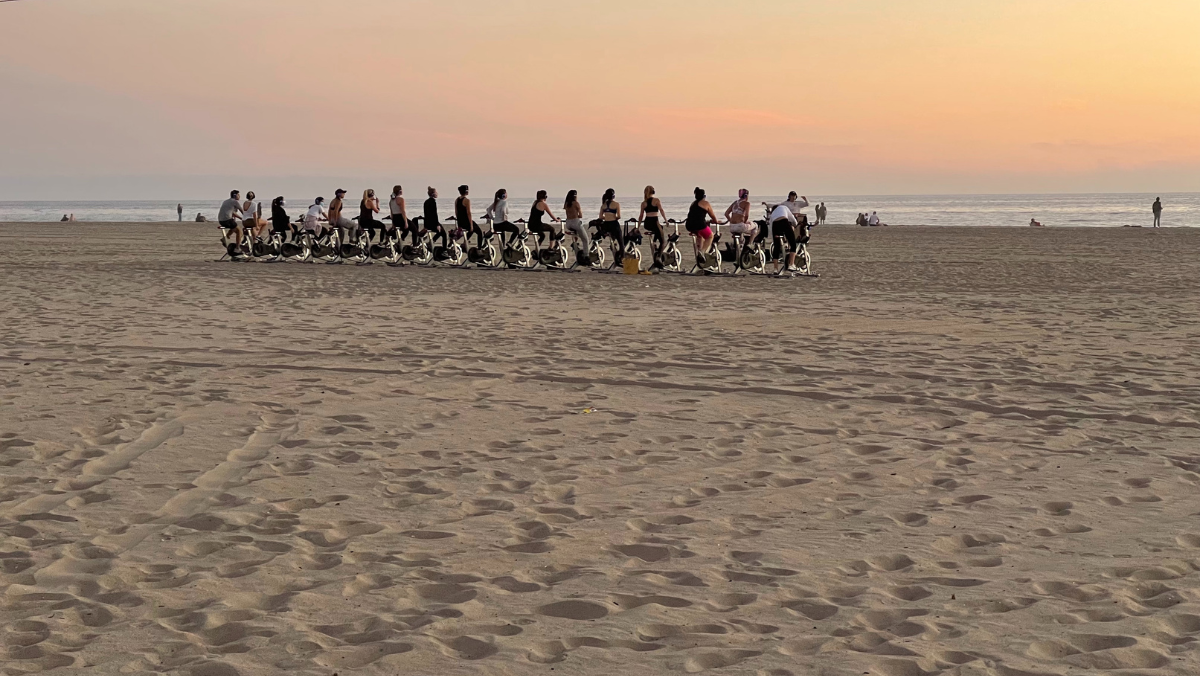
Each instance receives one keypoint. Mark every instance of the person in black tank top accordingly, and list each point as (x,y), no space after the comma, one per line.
(462,214)
(697,221)
(541,209)
(651,212)
(367,209)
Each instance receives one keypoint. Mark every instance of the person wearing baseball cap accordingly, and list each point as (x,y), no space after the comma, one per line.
(345,226)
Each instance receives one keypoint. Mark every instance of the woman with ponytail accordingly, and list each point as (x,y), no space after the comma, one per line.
(610,220)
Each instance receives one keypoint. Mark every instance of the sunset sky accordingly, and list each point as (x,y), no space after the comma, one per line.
(178,98)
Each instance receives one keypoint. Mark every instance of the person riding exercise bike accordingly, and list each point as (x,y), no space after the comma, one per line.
(540,210)
(651,217)
(462,214)
(700,214)
(497,214)
(783,223)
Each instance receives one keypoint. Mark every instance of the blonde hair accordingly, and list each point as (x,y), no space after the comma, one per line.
(649,193)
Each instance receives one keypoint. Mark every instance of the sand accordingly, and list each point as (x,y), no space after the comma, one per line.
(966,452)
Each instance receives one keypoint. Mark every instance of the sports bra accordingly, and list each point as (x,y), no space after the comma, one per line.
(650,208)
(609,210)
(736,208)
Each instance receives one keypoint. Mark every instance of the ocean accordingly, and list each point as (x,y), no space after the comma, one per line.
(1068,210)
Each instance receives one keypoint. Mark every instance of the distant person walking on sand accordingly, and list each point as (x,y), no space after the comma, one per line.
(1157,209)
(179,210)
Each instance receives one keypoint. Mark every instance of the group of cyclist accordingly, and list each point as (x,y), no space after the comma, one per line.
(785,220)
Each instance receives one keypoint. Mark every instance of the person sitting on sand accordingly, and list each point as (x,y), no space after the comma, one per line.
(861,220)
(874,221)
(64,219)
(1034,224)
(201,218)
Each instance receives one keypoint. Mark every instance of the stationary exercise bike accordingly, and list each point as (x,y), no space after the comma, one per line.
(453,254)
(235,252)
(746,254)
(420,253)
(488,255)
(357,250)
(300,248)
(633,240)
(268,249)
(388,250)
(595,254)
(555,255)
(327,247)
(708,262)
(671,259)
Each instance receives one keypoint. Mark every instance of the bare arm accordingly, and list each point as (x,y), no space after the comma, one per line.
(642,212)
(711,214)
(550,213)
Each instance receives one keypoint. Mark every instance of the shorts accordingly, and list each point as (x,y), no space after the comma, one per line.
(705,233)
(229,224)
(743,228)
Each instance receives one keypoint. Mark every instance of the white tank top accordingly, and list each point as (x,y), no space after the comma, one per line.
(394,207)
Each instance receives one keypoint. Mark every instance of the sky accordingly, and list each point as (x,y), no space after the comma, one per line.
(185,99)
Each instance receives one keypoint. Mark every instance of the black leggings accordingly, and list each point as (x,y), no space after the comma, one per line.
(284,228)
(660,236)
(613,229)
(370,226)
(473,229)
(541,230)
(437,231)
(783,228)
(506,227)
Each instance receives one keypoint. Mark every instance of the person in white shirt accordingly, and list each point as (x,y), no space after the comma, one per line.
(497,215)
(796,205)
(312,219)
(251,211)
(783,223)
(873,221)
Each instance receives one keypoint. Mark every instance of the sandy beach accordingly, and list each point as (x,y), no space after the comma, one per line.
(960,452)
